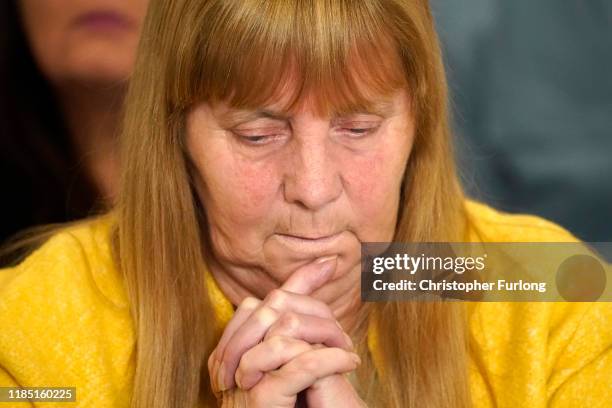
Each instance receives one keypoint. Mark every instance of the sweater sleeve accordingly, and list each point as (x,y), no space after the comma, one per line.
(581,374)
(58,330)
(6,380)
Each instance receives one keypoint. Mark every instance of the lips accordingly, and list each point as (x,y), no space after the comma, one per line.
(310,244)
(310,237)
(104,20)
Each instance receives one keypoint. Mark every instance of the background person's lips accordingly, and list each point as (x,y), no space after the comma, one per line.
(104,20)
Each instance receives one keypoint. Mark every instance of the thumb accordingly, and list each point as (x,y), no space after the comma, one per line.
(312,276)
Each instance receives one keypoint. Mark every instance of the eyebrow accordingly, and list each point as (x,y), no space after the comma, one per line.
(383,108)
(237,117)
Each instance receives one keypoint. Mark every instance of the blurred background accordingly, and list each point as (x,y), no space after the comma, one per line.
(531,86)
(64,69)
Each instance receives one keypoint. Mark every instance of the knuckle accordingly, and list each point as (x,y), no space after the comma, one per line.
(328,312)
(266,316)
(290,321)
(308,363)
(276,299)
(325,310)
(278,344)
(249,303)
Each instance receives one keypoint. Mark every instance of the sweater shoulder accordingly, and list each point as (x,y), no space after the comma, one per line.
(75,255)
(57,309)
(487,224)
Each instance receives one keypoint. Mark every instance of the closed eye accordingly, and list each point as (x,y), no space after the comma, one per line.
(254,139)
(257,140)
(357,132)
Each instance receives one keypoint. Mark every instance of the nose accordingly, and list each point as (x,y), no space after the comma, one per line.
(312,178)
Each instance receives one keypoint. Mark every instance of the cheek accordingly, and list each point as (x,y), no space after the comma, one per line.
(373,186)
(258,185)
(43,28)
(371,183)
(362,177)
(238,190)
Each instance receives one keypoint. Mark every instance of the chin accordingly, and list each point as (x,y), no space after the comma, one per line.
(104,65)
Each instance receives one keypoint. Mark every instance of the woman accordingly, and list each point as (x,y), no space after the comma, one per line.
(263,143)
(64,66)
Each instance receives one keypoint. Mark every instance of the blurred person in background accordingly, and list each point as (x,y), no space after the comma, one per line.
(532,90)
(63,71)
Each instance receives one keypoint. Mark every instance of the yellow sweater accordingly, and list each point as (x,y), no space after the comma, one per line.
(64,321)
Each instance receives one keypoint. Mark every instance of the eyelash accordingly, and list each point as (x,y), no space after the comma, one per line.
(256,140)
(250,140)
(361,132)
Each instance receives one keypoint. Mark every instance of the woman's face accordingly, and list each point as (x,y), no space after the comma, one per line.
(91,41)
(281,189)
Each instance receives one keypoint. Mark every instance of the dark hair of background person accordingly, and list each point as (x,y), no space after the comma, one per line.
(41,178)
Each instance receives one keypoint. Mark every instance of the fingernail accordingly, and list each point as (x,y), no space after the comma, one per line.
(327,264)
(215,371)
(348,340)
(238,382)
(326,259)
(221,377)
(356,358)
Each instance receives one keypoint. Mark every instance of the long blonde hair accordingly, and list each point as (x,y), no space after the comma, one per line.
(243,52)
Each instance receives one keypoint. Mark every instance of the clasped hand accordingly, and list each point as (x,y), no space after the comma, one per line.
(286,344)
